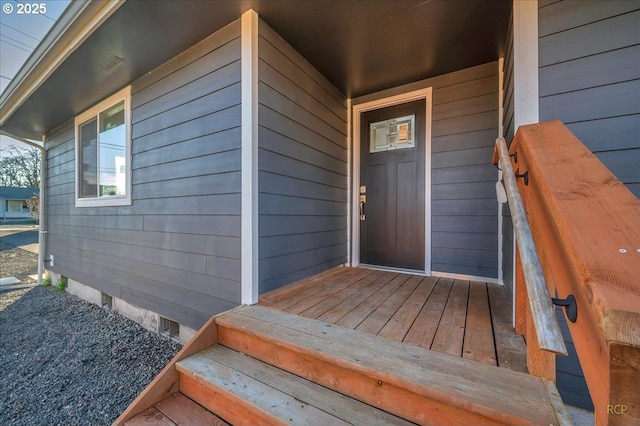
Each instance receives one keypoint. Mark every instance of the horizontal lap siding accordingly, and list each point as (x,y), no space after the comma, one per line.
(589,54)
(302,163)
(176,249)
(464,210)
(590,79)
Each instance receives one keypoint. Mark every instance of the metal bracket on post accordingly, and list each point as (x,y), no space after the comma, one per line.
(515,160)
(570,306)
(524,175)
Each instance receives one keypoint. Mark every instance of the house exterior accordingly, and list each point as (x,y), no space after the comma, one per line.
(206,153)
(13,203)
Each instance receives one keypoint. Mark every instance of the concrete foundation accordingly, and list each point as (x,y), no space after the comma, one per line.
(146,318)
(83,292)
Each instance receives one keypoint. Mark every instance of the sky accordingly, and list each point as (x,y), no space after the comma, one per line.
(22,25)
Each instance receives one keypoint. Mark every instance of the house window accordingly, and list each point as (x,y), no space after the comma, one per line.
(396,133)
(17,206)
(103,153)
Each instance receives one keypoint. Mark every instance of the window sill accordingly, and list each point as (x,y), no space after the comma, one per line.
(103,202)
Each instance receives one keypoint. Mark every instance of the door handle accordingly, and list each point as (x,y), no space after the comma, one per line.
(363,202)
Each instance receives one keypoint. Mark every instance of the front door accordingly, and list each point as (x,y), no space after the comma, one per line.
(392,186)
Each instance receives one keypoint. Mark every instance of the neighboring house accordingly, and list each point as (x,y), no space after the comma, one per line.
(200,154)
(13,203)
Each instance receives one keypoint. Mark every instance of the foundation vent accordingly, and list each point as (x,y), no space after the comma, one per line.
(170,329)
(107,301)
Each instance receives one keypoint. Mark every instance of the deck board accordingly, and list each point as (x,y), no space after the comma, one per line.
(428,320)
(339,285)
(183,411)
(150,416)
(363,310)
(478,339)
(451,330)
(176,410)
(400,323)
(379,318)
(290,295)
(467,319)
(510,348)
(345,306)
(345,292)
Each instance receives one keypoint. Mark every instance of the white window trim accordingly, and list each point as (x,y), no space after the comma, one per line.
(116,200)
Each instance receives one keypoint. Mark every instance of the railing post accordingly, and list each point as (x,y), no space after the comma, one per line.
(539,363)
(521,301)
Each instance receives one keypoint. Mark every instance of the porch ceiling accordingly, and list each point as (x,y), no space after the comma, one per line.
(360,46)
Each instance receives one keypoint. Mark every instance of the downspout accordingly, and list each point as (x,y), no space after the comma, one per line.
(41,207)
(41,199)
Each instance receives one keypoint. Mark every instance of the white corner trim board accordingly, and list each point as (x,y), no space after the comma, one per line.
(249,158)
(500,134)
(525,62)
(525,79)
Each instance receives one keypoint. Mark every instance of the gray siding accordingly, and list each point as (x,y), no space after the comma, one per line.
(508,87)
(464,209)
(302,166)
(590,78)
(569,376)
(176,249)
(508,267)
(463,206)
(589,55)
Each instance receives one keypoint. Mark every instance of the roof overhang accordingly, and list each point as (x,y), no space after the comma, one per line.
(74,26)
(361,46)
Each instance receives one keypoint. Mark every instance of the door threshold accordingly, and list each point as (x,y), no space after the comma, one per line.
(393,269)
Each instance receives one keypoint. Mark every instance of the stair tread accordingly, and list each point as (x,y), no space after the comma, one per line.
(486,390)
(176,410)
(283,395)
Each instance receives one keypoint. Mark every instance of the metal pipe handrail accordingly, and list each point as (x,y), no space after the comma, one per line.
(542,310)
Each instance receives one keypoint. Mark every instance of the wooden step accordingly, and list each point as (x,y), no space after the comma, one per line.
(422,386)
(176,410)
(243,390)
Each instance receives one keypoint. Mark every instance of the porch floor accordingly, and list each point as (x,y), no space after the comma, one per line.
(463,318)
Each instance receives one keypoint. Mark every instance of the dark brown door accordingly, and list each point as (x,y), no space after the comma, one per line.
(392,179)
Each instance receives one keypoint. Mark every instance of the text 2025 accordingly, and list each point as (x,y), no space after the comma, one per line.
(31,8)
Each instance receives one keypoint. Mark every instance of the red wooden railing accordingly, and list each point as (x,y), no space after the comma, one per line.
(586,228)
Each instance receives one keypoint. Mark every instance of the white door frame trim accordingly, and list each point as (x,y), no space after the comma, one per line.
(427,95)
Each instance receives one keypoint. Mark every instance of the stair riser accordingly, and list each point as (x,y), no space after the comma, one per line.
(367,386)
(225,405)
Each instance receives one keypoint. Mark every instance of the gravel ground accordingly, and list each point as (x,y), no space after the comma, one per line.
(15,262)
(64,361)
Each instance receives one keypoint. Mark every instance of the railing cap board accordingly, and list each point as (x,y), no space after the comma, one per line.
(595,216)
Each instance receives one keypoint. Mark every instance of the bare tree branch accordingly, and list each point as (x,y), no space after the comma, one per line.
(20,167)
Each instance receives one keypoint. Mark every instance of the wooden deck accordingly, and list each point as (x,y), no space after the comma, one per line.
(287,364)
(463,318)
